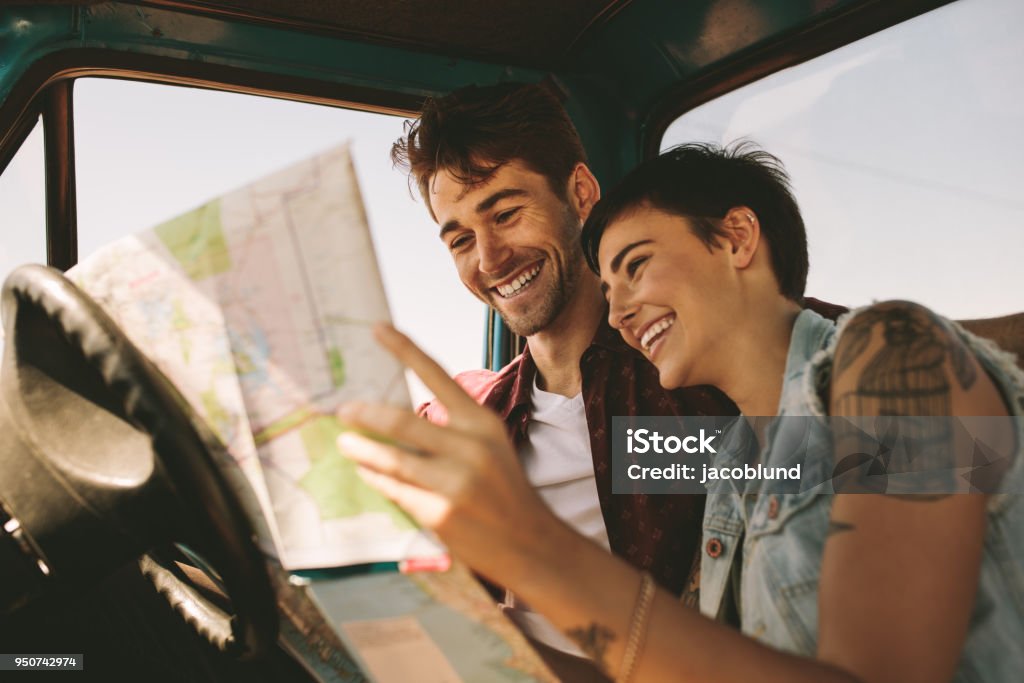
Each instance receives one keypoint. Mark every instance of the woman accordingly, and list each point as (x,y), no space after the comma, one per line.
(825,587)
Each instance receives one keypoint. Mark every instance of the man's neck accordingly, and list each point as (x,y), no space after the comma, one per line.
(556,350)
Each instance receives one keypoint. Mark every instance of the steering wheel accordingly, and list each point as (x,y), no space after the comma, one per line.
(101,460)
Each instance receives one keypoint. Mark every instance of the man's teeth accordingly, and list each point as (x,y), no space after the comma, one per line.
(655,330)
(517,284)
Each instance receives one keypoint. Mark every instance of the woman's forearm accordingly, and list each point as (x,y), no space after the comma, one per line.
(591,596)
(510,536)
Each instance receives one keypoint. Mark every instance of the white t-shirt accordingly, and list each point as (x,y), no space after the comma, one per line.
(557,459)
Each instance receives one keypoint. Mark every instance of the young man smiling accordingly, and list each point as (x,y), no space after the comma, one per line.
(504,174)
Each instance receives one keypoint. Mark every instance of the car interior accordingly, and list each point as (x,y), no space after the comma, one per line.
(121,536)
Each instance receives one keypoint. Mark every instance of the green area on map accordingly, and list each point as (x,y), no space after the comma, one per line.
(333,482)
(337,366)
(196,241)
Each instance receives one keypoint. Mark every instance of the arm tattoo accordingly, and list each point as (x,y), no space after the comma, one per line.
(910,375)
(906,376)
(837,527)
(593,640)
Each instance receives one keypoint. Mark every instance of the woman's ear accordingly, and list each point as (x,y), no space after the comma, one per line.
(743,233)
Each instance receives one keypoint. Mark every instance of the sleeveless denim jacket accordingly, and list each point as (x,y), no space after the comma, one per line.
(776,540)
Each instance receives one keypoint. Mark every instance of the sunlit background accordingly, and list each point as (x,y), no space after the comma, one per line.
(906,151)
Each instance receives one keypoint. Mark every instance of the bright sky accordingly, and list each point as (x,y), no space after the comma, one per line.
(906,151)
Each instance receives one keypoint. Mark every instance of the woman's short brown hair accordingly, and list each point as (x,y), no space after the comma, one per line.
(702,182)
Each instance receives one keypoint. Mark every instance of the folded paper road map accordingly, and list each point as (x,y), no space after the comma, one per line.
(259,305)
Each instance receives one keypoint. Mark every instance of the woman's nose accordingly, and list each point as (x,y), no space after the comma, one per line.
(621,310)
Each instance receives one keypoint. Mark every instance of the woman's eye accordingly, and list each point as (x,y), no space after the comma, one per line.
(505,216)
(633,265)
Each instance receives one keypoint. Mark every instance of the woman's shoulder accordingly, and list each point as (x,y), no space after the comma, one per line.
(902,358)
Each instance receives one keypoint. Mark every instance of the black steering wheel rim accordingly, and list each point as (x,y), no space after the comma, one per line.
(214,522)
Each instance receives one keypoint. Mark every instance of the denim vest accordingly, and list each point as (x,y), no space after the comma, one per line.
(776,540)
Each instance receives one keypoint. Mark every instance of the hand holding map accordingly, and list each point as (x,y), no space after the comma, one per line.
(259,307)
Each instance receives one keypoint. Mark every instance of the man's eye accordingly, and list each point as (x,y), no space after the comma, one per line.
(459,242)
(506,216)
(633,265)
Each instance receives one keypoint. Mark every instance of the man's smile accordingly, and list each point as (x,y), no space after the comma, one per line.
(515,285)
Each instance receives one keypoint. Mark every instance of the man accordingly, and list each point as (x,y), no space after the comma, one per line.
(504,174)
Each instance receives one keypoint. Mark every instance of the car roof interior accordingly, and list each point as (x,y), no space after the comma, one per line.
(621,64)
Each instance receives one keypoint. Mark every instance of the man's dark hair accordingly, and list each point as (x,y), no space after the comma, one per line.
(473,131)
(702,182)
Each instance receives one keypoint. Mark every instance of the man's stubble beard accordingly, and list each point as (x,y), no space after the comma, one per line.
(561,292)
